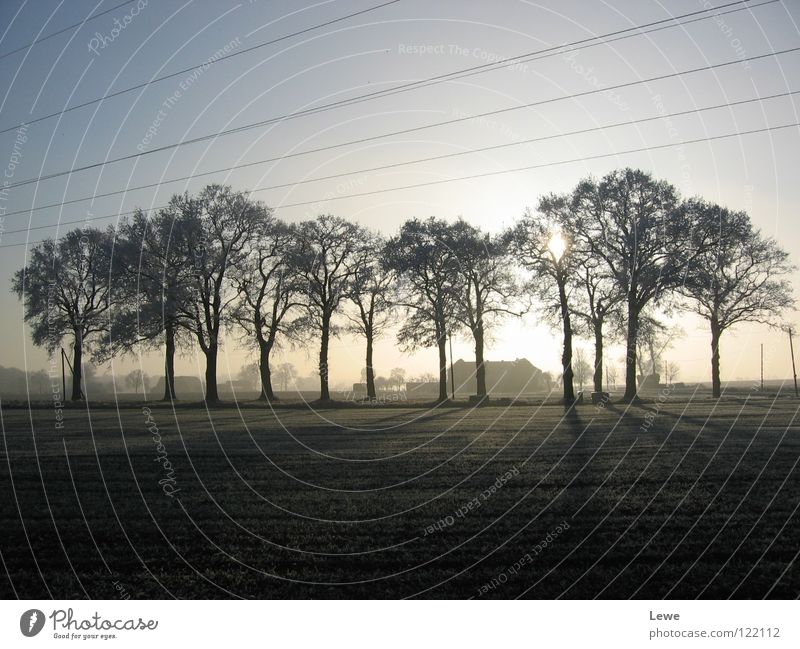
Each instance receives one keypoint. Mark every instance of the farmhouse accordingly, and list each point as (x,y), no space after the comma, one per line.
(503,378)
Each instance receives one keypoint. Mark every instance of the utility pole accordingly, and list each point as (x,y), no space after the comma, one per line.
(762,367)
(794,369)
(452,380)
(63,378)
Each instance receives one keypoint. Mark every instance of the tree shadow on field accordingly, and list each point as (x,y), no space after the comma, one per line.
(587,459)
(571,415)
(371,424)
(634,413)
(424,419)
(663,411)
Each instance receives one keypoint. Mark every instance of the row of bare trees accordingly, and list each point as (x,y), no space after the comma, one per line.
(595,262)
(615,249)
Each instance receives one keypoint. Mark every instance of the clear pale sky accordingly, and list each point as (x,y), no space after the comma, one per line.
(406,41)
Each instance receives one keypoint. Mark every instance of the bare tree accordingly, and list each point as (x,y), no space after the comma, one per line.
(596,299)
(228,224)
(740,277)
(330,251)
(40,379)
(581,366)
(488,287)
(250,374)
(155,262)
(268,283)
(611,375)
(137,379)
(370,291)
(637,229)
(67,290)
(397,378)
(542,246)
(284,375)
(654,339)
(428,282)
(671,372)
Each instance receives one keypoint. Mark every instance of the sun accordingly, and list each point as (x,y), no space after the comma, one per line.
(557,245)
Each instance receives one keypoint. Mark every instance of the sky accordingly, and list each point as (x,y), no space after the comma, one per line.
(405,41)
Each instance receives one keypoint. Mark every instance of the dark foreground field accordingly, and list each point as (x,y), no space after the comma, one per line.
(671,499)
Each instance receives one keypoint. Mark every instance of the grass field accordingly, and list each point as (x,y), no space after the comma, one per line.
(672,498)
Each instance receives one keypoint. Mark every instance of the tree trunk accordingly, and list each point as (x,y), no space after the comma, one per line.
(77,368)
(566,356)
(371,393)
(265,372)
(324,393)
(442,344)
(630,356)
(212,394)
(598,356)
(169,363)
(480,366)
(716,384)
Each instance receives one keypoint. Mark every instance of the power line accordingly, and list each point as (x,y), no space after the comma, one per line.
(306,152)
(541,102)
(66,29)
(390,165)
(456,74)
(430,183)
(205,63)
(599,156)
(532,56)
